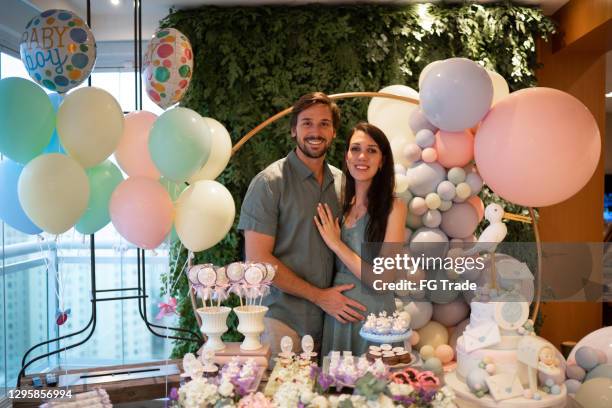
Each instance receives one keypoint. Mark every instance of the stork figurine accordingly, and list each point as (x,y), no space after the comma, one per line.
(493,234)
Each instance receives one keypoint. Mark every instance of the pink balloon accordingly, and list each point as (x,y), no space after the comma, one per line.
(132,154)
(537,147)
(455,149)
(141,211)
(478,205)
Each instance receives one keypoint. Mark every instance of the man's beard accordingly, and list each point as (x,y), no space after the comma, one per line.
(304,148)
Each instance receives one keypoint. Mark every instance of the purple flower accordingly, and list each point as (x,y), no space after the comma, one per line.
(174,396)
(314,372)
(404,399)
(325,381)
(243,385)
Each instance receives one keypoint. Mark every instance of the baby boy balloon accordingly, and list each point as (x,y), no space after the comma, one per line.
(58,49)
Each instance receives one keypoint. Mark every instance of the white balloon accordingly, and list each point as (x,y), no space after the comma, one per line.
(205,213)
(391,115)
(500,87)
(220,152)
(398,144)
(401,183)
(420,313)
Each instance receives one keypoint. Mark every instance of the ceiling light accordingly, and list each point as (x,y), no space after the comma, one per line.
(115,2)
(609,95)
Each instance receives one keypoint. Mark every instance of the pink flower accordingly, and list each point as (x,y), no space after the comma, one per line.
(428,381)
(166,309)
(407,376)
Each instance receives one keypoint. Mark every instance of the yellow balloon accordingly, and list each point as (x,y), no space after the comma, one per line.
(220,152)
(205,213)
(500,87)
(53,191)
(432,334)
(90,125)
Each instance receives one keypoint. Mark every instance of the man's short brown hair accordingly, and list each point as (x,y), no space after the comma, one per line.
(311,99)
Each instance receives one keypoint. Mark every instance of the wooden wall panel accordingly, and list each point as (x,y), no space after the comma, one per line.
(575,63)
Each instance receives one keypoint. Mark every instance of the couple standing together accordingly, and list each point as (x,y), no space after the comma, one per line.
(300,215)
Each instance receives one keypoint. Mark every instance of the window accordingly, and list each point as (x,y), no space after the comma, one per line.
(29,281)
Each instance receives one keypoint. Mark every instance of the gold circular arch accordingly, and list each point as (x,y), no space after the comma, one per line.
(509,216)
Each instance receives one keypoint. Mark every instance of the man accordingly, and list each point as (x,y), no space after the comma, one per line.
(277,219)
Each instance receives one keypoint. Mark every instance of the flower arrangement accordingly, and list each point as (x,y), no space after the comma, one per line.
(408,388)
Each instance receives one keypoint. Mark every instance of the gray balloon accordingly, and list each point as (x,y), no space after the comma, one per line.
(459,221)
(442,295)
(452,313)
(446,190)
(601,371)
(418,121)
(429,242)
(432,219)
(456,94)
(425,177)
(475,182)
(425,138)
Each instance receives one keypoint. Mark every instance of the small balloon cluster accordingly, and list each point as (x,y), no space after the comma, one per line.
(248,280)
(589,363)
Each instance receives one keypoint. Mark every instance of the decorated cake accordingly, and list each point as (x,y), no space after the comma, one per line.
(499,357)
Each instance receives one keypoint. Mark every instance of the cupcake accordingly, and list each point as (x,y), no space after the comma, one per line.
(389,358)
(211,370)
(398,349)
(386,347)
(373,355)
(374,348)
(404,357)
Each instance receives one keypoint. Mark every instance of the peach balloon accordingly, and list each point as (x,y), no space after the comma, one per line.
(455,149)
(415,338)
(141,211)
(429,155)
(537,147)
(132,154)
(478,205)
(445,353)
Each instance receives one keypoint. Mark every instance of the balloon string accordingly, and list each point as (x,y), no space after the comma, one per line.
(174,268)
(179,277)
(44,256)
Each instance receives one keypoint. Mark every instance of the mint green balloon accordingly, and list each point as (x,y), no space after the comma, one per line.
(103,179)
(179,143)
(27,119)
(175,190)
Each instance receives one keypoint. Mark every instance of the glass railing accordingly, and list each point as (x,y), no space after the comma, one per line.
(30,297)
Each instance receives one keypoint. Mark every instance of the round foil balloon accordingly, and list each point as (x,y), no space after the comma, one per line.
(58,49)
(168,67)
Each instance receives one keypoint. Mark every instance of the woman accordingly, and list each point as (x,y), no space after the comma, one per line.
(370,214)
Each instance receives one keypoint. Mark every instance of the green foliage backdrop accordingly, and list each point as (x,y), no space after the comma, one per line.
(252,62)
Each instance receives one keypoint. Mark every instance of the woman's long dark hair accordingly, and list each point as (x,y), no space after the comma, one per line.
(380,193)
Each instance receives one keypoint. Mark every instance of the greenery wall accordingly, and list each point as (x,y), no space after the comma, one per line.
(252,62)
